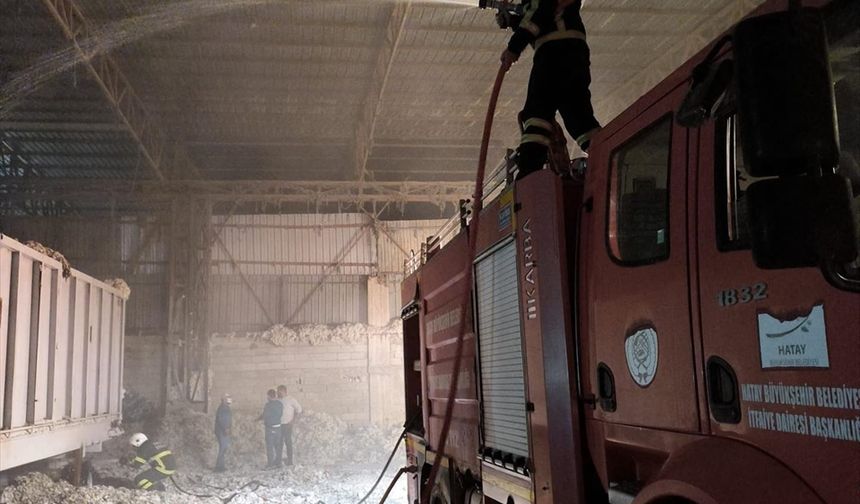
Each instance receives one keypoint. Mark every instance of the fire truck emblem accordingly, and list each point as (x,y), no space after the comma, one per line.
(642,354)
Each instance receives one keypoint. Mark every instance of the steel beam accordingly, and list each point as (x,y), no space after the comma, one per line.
(273,191)
(160,156)
(373,98)
(201,259)
(74,127)
(151,230)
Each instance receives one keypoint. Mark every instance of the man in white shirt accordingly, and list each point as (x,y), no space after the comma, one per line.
(291,409)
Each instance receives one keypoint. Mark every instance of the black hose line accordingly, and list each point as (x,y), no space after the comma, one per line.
(391,456)
(182,490)
(408,469)
(465,304)
(257,484)
(224,500)
(381,474)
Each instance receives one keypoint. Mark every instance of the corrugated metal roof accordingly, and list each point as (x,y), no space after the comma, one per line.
(259,89)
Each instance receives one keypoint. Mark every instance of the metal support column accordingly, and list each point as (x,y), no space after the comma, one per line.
(200,234)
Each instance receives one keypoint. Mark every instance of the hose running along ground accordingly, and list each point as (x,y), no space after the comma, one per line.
(385,468)
(390,457)
(477,205)
(225,500)
(408,469)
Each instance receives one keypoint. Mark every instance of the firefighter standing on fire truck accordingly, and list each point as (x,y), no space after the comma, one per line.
(559,78)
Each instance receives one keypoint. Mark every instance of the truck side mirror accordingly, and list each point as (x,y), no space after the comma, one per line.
(786,108)
(788,129)
(802,221)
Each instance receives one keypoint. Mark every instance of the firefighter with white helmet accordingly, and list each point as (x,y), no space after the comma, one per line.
(161,462)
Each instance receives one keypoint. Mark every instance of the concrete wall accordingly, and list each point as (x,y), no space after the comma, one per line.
(385,376)
(354,373)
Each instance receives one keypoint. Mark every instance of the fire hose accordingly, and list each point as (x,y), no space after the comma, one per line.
(477,204)
(381,474)
(408,469)
(225,500)
(388,462)
(477,197)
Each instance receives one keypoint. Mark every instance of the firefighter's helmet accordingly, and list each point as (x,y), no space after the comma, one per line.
(137,439)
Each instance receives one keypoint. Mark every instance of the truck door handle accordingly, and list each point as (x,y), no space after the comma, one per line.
(723,391)
(606,388)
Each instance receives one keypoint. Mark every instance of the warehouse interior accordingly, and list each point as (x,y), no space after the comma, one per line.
(258,172)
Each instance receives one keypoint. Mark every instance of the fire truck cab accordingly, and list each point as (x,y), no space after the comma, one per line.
(651,331)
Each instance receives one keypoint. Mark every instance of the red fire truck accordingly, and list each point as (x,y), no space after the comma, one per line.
(679,322)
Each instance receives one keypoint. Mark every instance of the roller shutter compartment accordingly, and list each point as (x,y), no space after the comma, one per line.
(501,354)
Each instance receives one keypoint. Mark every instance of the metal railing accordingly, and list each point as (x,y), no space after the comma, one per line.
(494,185)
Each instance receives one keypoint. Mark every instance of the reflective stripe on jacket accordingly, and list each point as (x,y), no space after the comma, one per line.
(547,20)
(162,461)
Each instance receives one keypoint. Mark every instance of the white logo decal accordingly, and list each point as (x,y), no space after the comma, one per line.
(531,273)
(799,342)
(642,354)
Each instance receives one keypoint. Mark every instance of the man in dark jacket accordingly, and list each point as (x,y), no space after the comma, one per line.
(162,463)
(223,424)
(559,78)
(271,417)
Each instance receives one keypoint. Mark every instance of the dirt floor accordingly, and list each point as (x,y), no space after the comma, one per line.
(299,485)
(335,463)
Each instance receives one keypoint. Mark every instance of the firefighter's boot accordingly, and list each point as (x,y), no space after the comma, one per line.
(530,157)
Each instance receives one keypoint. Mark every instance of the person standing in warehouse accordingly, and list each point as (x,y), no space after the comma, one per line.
(291,409)
(161,463)
(271,417)
(559,79)
(223,425)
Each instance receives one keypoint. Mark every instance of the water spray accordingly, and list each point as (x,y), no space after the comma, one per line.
(146,23)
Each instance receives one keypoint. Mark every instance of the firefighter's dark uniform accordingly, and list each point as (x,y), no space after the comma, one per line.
(559,79)
(161,464)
